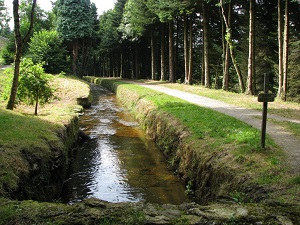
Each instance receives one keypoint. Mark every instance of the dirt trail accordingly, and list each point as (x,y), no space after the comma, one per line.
(282,137)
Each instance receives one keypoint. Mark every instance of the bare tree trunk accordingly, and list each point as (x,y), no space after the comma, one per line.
(231,50)
(171,53)
(285,51)
(249,90)
(163,56)
(186,49)
(280,49)
(207,82)
(226,53)
(19,42)
(190,76)
(136,61)
(75,56)
(153,66)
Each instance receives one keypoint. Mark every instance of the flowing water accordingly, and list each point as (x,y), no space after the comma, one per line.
(119,163)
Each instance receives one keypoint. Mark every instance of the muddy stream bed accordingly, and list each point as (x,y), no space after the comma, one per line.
(119,163)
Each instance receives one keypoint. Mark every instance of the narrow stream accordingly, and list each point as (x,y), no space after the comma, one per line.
(119,163)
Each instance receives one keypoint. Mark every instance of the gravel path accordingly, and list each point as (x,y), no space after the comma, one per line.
(282,137)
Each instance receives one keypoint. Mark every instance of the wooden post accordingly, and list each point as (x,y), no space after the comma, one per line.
(265,110)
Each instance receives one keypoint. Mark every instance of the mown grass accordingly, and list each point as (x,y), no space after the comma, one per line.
(216,132)
(290,110)
(285,109)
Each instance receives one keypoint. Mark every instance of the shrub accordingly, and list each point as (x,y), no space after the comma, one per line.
(46,47)
(34,85)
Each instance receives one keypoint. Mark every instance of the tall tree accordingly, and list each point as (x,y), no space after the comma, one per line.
(4,20)
(251,70)
(166,10)
(280,48)
(75,23)
(19,42)
(285,51)
(231,48)
(137,18)
(162,53)
(226,53)
(207,81)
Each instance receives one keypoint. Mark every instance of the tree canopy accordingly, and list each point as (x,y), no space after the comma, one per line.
(220,44)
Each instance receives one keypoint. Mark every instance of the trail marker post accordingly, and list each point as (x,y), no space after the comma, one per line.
(265,98)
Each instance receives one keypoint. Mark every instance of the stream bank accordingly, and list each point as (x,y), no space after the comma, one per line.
(35,151)
(94,211)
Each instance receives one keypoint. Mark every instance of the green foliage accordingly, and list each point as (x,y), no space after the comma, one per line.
(34,84)
(296,180)
(8,214)
(166,10)
(75,19)
(8,51)
(238,197)
(7,56)
(42,19)
(136,18)
(108,32)
(46,47)
(294,73)
(6,81)
(4,20)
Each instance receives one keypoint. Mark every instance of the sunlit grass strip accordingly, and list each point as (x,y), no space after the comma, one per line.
(217,132)
(285,109)
(293,127)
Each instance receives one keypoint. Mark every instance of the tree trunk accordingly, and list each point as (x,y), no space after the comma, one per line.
(186,49)
(231,50)
(207,82)
(280,49)
(121,65)
(153,66)
(75,56)
(36,104)
(285,51)
(19,43)
(136,61)
(226,53)
(190,76)
(162,53)
(249,90)
(171,53)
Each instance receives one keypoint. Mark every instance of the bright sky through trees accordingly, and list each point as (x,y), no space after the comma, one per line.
(102,5)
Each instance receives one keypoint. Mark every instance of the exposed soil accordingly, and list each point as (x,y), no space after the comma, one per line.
(285,139)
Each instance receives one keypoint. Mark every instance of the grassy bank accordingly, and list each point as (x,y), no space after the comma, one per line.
(34,150)
(286,109)
(215,153)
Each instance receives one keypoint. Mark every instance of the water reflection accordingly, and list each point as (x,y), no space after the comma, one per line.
(119,163)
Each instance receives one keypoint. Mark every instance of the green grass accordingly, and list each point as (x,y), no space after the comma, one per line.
(25,137)
(293,127)
(219,133)
(285,109)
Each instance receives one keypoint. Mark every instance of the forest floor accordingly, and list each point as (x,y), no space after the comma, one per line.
(282,136)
